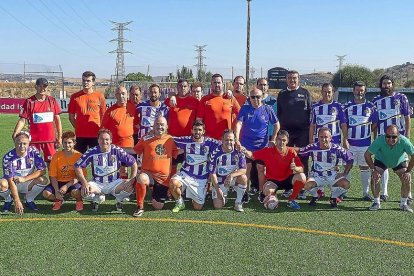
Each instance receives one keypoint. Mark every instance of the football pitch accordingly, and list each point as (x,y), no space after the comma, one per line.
(347,241)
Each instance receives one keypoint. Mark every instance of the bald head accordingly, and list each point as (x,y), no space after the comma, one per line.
(160,126)
(121,95)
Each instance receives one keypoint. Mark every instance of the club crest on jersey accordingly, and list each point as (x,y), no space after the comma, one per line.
(65,168)
(31,161)
(397,104)
(113,159)
(235,159)
(367,112)
(160,149)
(334,112)
(333,156)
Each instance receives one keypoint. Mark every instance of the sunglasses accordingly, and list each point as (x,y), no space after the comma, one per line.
(391,136)
(255,97)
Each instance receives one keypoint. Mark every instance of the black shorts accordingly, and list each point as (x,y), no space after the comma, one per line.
(159,192)
(178,160)
(284,184)
(381,165)
(83,143)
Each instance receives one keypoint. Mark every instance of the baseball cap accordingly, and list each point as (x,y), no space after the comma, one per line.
(42,81)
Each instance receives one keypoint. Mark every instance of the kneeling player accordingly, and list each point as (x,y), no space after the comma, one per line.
(23,172)
(106,161)
(62,174)
(227,167)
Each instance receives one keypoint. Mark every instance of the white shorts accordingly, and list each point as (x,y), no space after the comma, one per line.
(324,181)
(23,188)
(106,188)
(358,153)
(195,189)
(224,189)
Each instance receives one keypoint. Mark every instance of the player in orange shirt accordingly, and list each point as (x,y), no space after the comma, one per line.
(86,109)
(238,90)
(215,110)
(157,150)
(135,97)
(62,174)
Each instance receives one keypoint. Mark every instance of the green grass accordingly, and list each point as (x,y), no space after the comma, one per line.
(112,243)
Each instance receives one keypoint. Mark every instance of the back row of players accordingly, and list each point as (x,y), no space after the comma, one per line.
(187,130)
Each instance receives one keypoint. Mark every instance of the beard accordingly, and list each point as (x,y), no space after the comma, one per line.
(386,91)
(153,99)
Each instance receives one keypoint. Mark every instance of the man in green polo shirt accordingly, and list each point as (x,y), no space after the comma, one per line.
(391,151)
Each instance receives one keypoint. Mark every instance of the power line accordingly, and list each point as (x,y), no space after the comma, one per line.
(200,58)
(120,66)
(340,59)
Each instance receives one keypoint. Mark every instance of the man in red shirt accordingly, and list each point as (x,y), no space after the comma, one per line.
(86,109)
(215,110)
(42,112)
(238,90)
(135,97)
(284,170)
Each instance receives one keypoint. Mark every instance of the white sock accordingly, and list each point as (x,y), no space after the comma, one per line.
(239,192)
(377,200)
(337,191)
(403,201)
(6,195)
(384,182)
(89,197)
(180,200)
(121,196)
(34,192)
(365,181)
(314,192)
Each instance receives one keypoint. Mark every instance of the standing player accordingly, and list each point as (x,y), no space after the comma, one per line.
(227,167)
(86,109)
(135,98)
(42,112)
(197,90)
(106,160)
(62,174)
(393,109)
(361,117)
(157,150)
(193,174)
(325,158)
(238,90)
(23,172)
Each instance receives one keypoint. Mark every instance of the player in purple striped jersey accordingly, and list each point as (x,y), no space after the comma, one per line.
(362,118)
(106,160)
(149,110)
(227,167)
(193,174)
(393,109)
(325,158)
(327,113)
(23,172)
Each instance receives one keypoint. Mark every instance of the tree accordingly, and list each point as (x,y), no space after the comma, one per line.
(137,77)
(204,76)
(185,73)
(352,73)
(409,84)
(378,73)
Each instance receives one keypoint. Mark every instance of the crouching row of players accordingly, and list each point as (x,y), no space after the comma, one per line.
(204,158)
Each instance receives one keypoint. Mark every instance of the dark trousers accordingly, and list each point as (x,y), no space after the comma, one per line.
(300,138)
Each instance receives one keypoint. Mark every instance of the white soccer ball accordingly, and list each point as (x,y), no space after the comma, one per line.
(271,202)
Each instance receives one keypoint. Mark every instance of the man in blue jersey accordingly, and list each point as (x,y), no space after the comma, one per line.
(391,151)
(23,172)
(393,109)
(361,117)
(227,167)
(193,174)
(106,161)
(325,157)
(251,129)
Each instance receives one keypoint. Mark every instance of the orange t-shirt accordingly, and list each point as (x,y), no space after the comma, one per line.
(157,154)
(61,166)
(216,113)
(182,116)
(89,110)
(241,98)
(136,127)
(120,120)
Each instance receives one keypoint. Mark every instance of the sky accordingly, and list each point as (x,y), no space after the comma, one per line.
(305,35)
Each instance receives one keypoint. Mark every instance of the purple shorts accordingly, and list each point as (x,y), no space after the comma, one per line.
(51,190)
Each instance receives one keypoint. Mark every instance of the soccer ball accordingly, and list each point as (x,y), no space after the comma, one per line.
(271,202)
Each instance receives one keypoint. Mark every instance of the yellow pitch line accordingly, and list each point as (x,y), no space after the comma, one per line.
(237,224)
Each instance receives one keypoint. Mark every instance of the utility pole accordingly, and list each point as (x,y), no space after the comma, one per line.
(201,67)
(120,66)
(248,47)
(340,59)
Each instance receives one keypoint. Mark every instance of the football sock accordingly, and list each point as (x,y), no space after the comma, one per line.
(240,190)
(6,195)
(121,196)
(180,200)
(384,183)
(337,191)
(141,191)
(403,201)
(297,187)
(377,200)
(365,181)
(314,192)
(34,192)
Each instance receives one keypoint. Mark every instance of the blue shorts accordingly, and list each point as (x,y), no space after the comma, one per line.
(50,188)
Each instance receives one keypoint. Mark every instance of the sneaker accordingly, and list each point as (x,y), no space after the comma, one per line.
(320,193)
(119,206)
(375,207)
(57,204)
(406,208)
(253,191)
(313,201)
(89,197)
(31,205)
(138,212)
(246,197)
(286,193)
(238,207)
(302,194)
(7,206)
(367,198)
(79,206)
(384,198)
(178,207)
(333,202)
(261,197)
(100,199)
(293,204)
(94,206)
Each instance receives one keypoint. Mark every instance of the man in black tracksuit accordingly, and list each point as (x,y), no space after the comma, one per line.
(293,111)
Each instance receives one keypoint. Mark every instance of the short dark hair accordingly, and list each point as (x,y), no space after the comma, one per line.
(292,72)
(103,131)
(88,74)
(359,83)
(238,77)
(199,123)
(134,87)
(69,135)
(327,84)
(217,76)
(283,133)
(197,84)
(154,85)
(260,79)
(324,129)
(385,77)
(182,80)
